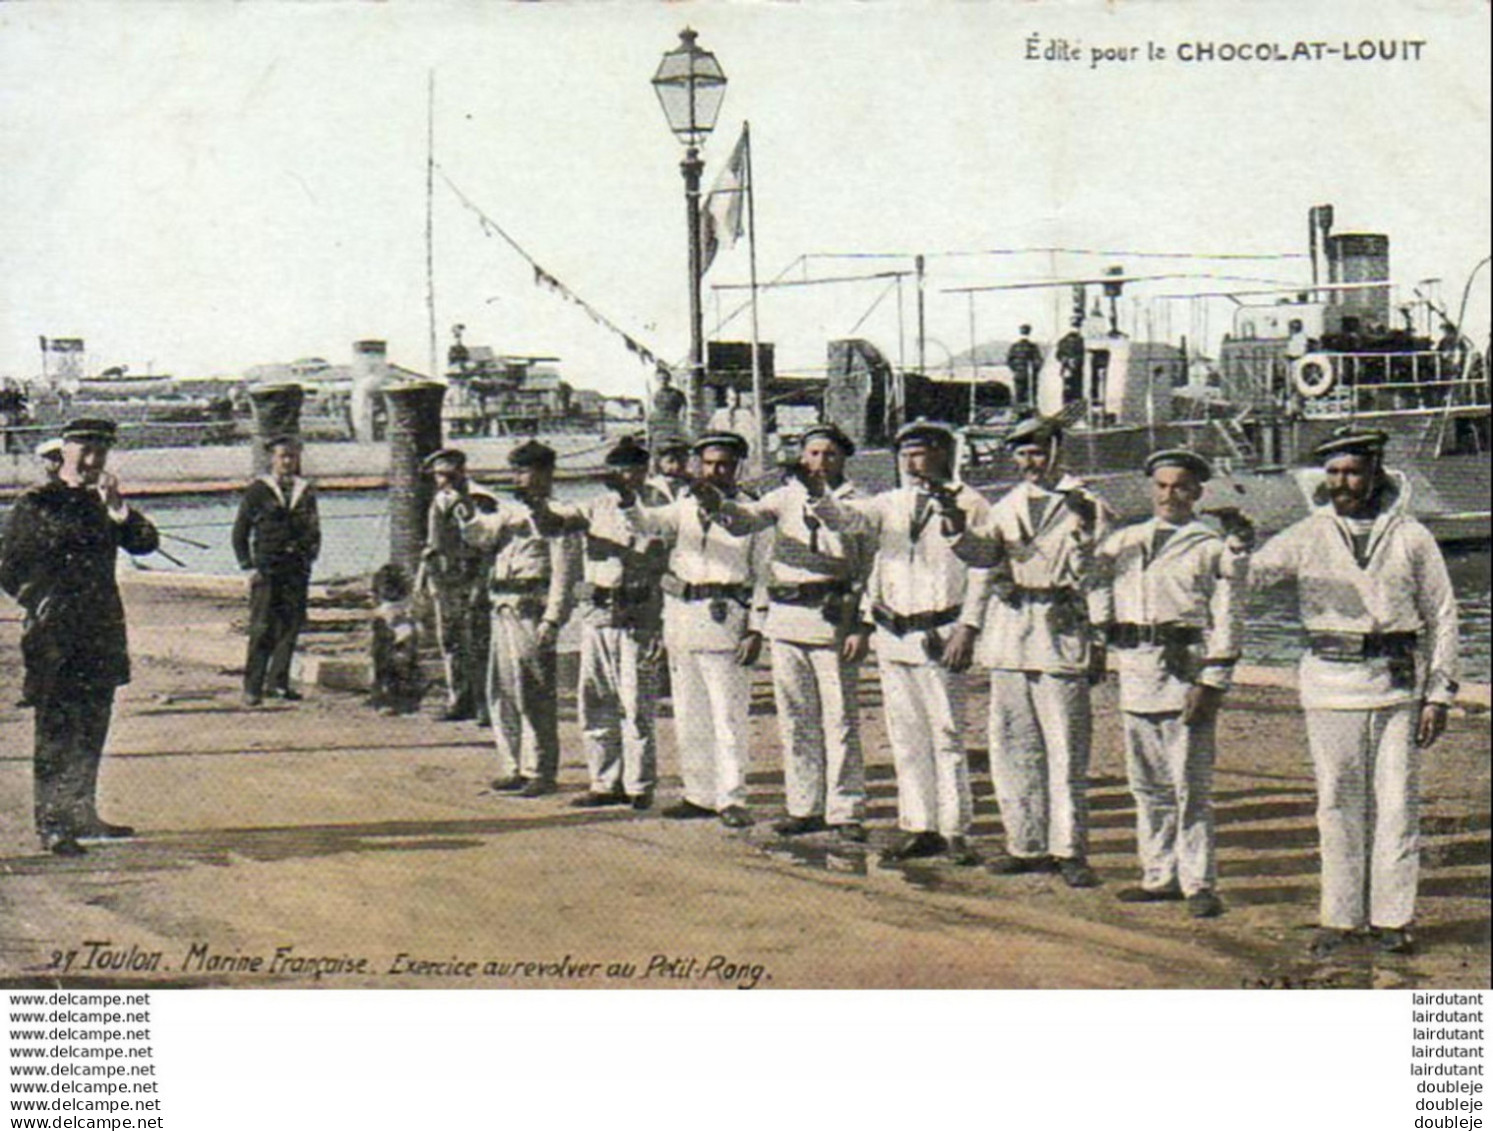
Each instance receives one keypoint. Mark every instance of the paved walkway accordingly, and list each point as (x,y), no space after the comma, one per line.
(322,843)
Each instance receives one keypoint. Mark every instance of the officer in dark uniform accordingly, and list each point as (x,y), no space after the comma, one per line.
(1070,354)
(1024,359)
(276,537)
(58,562)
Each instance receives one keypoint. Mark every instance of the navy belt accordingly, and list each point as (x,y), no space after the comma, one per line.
(807,592)
(605,596)
(714,591)
(1126,635)
(900,625)
(518,586)
(1046,595)
(1359,646)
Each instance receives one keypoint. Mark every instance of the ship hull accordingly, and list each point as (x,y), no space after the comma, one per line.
(1450,493)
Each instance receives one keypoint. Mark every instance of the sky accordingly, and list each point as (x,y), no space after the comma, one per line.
(200,188)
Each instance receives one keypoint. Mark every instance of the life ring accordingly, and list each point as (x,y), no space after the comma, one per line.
(1313,375)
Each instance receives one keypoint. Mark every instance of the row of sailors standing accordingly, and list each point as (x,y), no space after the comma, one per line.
(1037,589)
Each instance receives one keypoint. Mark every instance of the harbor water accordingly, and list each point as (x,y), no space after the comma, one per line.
(355,541)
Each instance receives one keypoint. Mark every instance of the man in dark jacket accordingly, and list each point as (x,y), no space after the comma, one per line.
(58,562)
(276,537)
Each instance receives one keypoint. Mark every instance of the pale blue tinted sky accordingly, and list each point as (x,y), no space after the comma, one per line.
(210,186)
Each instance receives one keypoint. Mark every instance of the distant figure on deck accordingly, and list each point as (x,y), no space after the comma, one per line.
(668,402)
(276,538)
(1024,359)
(59,557)
(1453,352)
(1070,354)
(397,684)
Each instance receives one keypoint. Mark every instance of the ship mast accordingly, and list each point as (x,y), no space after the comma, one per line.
(430,220)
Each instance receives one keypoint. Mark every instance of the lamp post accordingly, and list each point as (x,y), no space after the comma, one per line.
(691,87)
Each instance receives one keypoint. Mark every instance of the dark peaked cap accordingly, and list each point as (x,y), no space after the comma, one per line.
(444,455)
(830,432)
(925,432)
(722,439)
(86,430)
(1034,430)
(1180,457)
(1352,442)
(531,453)
(627,453)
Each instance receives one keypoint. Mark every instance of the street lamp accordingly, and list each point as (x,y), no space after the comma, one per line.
(691,87)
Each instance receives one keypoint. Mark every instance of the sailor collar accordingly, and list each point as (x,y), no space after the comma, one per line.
(298,487)
(1189,534)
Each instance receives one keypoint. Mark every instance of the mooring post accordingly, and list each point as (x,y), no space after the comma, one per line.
(414,433)
(277,412)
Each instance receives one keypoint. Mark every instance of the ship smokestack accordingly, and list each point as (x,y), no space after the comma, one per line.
(1361,257)
(370,373)
(414,433)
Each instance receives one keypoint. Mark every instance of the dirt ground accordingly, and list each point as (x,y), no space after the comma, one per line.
(321,844)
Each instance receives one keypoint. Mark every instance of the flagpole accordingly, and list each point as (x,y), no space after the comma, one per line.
(759,404)
(430,221)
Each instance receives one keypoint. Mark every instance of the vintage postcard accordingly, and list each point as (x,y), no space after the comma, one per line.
(745,496)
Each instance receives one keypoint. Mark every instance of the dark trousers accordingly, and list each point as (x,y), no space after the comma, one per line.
(462,623)
(72,723)
(277,612)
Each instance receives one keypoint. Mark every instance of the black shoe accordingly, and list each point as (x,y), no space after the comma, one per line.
(1076,872)
(103,830)
(537,787)
(915,846)
(1172,893)
(509,785)
(1020,865)
(852,832)
(961,853)
(456,714)
(642,802)
(799,826)
(736,817)
(687,811)
(252,700)
(1394,940)
(593,800)
(483,719)
(63,844)
(1204,904)
(289,694)
(1327,941)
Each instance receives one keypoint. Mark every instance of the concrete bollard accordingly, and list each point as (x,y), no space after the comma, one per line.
(277,412)
(414,432)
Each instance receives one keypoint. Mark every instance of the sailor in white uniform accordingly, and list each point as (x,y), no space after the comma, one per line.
(531,585)
(714,604)
(927,617)
(1376,681)
(1170,596)
(621,608)
(1041,653)
(817,638)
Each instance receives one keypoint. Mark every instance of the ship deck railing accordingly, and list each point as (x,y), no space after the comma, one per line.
(1398,382)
